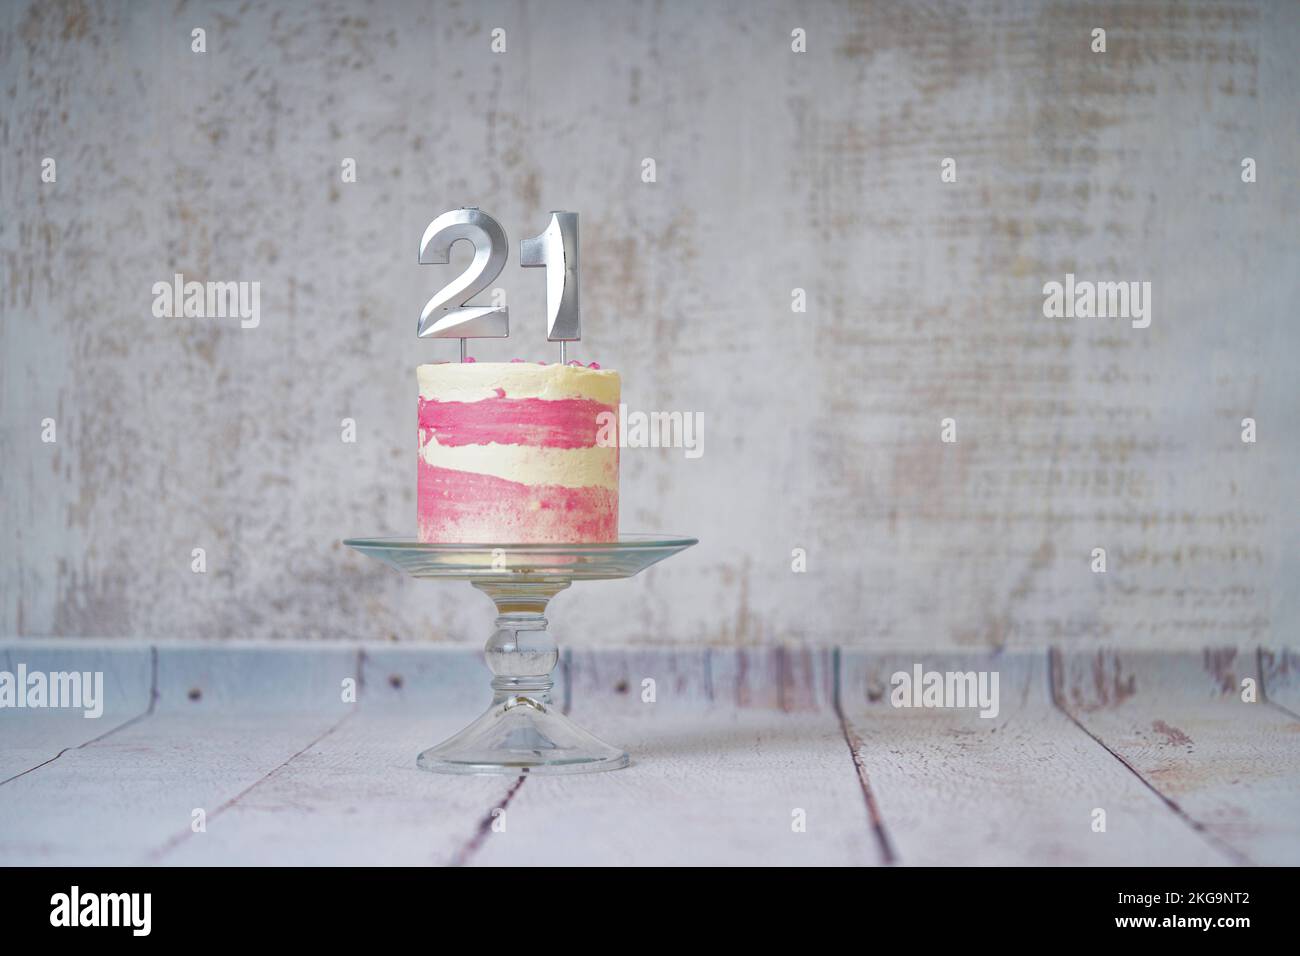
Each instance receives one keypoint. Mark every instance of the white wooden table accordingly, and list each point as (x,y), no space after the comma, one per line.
(734,746)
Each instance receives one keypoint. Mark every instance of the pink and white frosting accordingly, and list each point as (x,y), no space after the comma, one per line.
(509,453)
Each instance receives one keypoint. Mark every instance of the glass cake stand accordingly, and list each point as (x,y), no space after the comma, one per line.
(522,732)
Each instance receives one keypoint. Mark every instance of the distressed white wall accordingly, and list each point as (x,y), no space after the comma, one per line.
(776,170)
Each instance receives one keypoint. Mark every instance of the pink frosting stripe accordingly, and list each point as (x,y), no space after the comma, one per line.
(537,422)
(458,506)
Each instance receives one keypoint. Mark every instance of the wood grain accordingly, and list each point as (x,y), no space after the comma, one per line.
(730,749)
(34,738)
(1228,767)
(356,795)
(1280,676)
(128,797)
(955,788)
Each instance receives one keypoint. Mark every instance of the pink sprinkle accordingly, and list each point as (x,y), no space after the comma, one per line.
(513,361)
(541,363)
(595,365)
(575,362)
(469,358)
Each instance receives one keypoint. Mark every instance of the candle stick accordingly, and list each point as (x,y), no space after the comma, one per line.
(447,315)
(556,248)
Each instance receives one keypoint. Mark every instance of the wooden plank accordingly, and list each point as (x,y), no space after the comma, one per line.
(956,789)
(35,736)
(733,744)
(355,797)
(125,797)
(1280,676)
(1230,768)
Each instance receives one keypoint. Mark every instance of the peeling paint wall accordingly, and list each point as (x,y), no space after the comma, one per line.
(776,170)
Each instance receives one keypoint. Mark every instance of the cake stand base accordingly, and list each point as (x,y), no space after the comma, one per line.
(522,732)
(522,735)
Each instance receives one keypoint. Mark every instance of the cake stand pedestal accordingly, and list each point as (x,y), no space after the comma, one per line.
(522,732)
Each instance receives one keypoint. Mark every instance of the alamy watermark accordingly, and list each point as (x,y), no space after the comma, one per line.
(945,689)
(75,908)
(683,430)
(75,689)
(208,300)
(1085,299)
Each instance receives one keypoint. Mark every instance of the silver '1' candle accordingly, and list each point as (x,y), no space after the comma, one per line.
(556,248)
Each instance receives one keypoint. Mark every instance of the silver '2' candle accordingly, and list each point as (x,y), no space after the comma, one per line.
(446,315)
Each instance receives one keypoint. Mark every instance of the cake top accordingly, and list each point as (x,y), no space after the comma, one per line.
(472,381)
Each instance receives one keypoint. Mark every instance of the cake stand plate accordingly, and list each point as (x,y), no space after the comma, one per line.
(522,732)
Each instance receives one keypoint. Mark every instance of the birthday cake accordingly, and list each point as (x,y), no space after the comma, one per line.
(513,452)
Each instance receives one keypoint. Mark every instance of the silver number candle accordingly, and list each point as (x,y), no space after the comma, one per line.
(557,249)
(447,315)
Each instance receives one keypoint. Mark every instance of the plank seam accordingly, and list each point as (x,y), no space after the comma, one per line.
(475,843)
(148,711)
(854,743)
(566,671)
(462,856)
(1263,686)
(181,837)
(782,679)
(1054,669)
